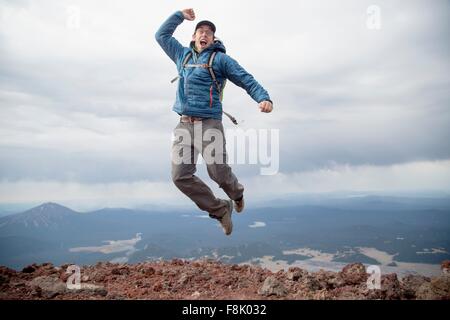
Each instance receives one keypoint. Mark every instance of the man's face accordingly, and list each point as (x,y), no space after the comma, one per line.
(203,38)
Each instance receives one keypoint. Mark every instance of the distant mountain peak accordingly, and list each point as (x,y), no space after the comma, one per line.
(50,205)
(47,214)
(51,208)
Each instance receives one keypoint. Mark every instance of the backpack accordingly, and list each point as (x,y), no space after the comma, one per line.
(213,76)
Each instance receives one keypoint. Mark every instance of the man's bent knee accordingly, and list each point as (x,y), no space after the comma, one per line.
(220,173)
(179,175)
(176,177)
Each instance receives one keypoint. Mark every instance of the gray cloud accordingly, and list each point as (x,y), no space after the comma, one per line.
(93,105)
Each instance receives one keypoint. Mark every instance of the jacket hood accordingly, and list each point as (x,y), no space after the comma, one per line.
(216,46)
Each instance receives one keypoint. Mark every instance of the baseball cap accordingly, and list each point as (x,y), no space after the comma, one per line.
(206,23)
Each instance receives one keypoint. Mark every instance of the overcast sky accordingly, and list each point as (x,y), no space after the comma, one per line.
(86,98)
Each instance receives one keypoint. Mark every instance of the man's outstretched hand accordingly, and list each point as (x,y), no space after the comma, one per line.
(265,106)
(188,14)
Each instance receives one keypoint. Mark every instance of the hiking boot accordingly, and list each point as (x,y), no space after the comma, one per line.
(225,220)
(239,204)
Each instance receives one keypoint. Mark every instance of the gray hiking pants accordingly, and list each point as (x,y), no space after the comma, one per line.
(203,137)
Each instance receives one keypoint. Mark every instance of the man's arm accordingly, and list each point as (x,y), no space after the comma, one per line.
(164,36)
(240,77)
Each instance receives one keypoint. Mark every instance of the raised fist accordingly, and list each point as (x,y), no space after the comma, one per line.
(188,14)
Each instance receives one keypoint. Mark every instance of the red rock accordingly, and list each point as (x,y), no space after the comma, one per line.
(148,271)
(272,286)
(235,267)
(120,271)
(50,287)
(208,279)
(329,280)
(295,273)
(411,283)
(177,262)
(311,283)
(445,266)
(29,269)
(436,289)
(158,287)
(390,287)
(354,273)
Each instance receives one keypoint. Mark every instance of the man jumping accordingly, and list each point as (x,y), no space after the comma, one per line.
(202,71)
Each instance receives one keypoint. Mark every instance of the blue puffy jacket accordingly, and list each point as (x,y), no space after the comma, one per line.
(197,94)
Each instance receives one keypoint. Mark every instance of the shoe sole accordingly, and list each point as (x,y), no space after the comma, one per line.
(236,207)
(230,207)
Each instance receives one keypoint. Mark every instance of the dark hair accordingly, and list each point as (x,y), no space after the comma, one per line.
(206,23)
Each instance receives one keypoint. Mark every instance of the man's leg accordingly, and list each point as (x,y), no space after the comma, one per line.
(219,170)
(183,174)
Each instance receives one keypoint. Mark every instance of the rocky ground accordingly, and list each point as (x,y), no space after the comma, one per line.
(207,279)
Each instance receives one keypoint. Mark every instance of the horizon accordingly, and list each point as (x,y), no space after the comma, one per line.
(280,201)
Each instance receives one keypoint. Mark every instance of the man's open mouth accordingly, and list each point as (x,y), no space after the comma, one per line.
(203,43)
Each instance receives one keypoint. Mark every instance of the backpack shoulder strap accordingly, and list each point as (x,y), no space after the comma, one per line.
(186,59)
(211,71)
(219,88)
(183,65)
(213,75)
